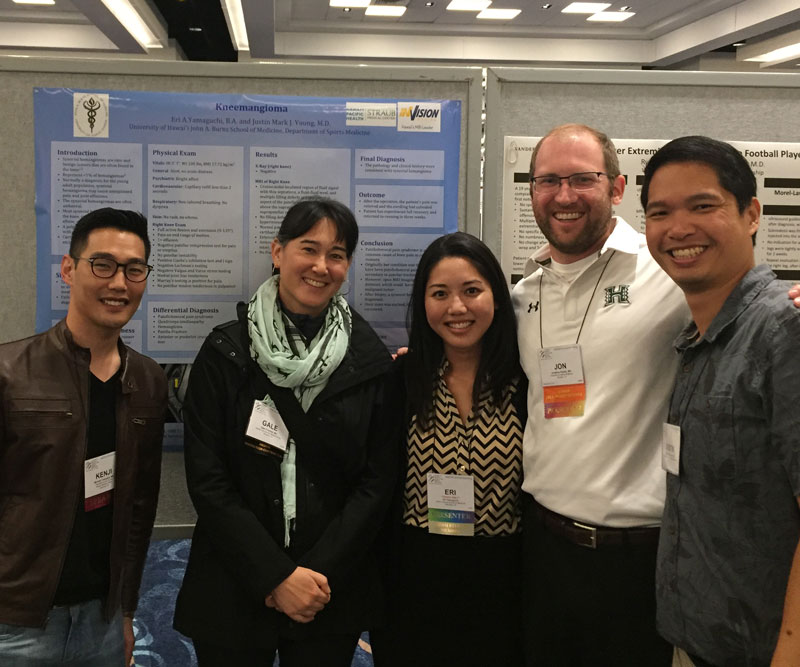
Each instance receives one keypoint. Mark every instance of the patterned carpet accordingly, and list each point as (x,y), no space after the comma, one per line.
(157,644)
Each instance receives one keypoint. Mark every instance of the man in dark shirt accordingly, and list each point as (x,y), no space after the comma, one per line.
(81,421)
(728,574)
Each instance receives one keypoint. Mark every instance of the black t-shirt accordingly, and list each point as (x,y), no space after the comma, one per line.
(85,575)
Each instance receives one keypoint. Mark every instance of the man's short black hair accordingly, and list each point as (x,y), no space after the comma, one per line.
(732,170)
(104,218)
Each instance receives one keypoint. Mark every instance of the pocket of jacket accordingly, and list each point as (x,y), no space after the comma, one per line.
(40,434)
(146,423)
(39,413)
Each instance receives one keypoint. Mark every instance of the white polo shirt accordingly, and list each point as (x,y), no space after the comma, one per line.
(603,468)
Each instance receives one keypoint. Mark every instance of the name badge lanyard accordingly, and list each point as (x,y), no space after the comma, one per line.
(451,497)
(563,379)
(588,305)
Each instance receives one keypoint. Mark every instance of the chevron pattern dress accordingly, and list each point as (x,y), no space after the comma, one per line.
(488,447)
(456,600)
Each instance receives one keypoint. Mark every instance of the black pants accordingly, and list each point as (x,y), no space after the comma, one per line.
(332,651)
(456,603)
(588,607)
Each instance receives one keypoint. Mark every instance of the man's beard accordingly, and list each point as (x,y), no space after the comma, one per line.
(597,224)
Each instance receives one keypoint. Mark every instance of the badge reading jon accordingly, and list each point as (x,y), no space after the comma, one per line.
(562,381)
(451,504)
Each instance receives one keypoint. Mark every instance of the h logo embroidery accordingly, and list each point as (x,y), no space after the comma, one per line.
(618,294)
(533,307)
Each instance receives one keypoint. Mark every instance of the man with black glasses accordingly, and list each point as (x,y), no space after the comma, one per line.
(81,422)
(597,318)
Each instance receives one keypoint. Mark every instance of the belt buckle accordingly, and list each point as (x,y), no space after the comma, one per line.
(591,532)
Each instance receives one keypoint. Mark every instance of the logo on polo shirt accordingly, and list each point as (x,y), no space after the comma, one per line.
(617,294)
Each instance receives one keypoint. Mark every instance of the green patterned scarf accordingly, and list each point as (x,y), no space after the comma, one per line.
(288,361)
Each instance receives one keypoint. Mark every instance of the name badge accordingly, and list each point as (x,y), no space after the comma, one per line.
(451,504)
(561,370)
(98,481)
(266,432)
(671,449)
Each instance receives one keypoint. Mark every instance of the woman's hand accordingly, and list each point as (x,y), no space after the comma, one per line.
(301,595)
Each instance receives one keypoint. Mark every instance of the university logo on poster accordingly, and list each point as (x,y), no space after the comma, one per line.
(419,117)
(90,114)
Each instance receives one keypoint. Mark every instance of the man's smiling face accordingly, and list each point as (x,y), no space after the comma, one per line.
(103,304)
(695,230)
(575,223)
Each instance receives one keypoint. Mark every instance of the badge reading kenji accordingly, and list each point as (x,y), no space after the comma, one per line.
(266,432)
(98,481)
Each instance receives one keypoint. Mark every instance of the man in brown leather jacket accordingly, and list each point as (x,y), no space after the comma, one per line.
(81,421)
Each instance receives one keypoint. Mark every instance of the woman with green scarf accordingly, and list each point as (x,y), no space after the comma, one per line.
(289,425)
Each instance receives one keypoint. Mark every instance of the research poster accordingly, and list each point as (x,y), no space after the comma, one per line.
(215,175)
(776,167)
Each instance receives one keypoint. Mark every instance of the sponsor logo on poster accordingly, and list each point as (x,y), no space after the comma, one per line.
(90,114)
(371,113)
(419,117)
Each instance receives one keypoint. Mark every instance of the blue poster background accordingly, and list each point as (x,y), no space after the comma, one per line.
(215,174)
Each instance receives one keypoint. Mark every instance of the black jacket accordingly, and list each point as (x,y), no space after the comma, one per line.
(344,485)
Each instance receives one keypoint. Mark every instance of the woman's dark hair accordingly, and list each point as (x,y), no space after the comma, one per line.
(499,364)
(306,213)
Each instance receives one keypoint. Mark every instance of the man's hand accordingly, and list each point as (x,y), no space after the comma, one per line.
(127,635)
(301,595)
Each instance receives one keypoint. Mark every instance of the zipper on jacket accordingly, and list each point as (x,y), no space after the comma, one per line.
(84,398)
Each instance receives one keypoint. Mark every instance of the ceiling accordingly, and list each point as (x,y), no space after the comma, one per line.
(662,33)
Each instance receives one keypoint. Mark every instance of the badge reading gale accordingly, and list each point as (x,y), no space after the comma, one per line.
(564,388)
(266,432)
(98,481)
(451,504)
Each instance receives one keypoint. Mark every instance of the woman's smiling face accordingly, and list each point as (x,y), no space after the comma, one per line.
(459,304)
(312,267)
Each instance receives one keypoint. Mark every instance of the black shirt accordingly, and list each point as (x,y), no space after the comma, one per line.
(85,575)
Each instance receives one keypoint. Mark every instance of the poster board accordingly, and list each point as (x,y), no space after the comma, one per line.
(776,166)
(647,106)
(215,175)
(19,76)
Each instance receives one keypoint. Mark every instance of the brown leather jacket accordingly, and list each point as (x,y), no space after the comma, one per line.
(44,384)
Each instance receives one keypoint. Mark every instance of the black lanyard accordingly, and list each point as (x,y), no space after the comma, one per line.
(588,305)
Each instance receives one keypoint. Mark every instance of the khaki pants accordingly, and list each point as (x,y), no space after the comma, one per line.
(681,659)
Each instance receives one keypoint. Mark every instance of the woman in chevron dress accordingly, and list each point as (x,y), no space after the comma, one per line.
(454,559)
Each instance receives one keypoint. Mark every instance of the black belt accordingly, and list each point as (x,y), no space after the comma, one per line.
(592,537)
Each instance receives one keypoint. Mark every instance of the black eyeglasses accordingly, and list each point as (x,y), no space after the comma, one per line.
(584,180)
(103,267)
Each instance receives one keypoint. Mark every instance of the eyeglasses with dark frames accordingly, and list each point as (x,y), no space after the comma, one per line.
(583,180)
(104,267)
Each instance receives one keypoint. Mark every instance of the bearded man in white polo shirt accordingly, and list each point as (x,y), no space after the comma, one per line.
(597,318)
